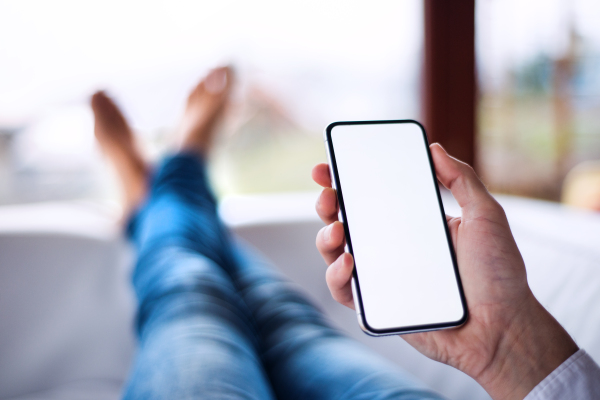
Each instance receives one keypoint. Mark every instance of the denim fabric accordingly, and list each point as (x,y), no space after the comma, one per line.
(215,321)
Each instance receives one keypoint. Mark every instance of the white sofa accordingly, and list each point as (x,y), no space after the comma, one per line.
(66,308)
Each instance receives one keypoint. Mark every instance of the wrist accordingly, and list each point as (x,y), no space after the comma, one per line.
(533,346)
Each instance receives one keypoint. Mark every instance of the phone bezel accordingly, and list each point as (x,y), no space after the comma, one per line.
(361,313)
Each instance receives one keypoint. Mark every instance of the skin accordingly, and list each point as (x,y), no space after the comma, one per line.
(510,342)
(205,107)
(117,141)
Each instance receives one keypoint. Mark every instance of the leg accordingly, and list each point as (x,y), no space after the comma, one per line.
(304,357)
(196,339)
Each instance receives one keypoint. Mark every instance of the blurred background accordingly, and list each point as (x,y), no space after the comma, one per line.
(300,66)
(539,101)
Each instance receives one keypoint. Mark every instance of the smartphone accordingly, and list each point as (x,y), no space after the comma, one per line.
(405,277)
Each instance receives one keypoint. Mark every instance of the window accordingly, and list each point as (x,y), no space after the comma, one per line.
(539,70)
(300,65)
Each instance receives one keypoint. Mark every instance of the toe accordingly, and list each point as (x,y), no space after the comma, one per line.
(219,80)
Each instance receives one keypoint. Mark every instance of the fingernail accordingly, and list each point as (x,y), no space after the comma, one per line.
(216,81)
(327,233)
(442,147)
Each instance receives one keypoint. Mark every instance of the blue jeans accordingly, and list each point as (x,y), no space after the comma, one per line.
(215,321)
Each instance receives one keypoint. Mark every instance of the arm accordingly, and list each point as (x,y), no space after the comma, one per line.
(510,342)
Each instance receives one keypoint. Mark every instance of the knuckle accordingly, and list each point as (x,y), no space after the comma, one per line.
(465,173)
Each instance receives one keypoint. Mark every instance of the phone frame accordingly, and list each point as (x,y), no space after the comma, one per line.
(358,303)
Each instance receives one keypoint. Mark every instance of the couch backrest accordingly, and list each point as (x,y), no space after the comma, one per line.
(66,311)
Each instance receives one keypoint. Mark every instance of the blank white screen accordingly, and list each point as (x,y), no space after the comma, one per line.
(403,262)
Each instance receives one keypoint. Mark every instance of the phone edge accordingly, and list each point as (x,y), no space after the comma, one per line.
(357,296)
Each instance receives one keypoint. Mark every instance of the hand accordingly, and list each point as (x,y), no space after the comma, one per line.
(510,342)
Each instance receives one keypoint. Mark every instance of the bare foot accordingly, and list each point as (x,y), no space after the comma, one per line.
(204,108)
(117,142)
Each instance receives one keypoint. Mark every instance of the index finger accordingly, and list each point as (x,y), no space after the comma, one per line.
(320,175)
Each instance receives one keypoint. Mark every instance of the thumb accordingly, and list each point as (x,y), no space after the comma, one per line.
(470,193)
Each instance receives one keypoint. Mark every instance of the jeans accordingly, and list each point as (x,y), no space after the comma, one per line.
(215,321)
